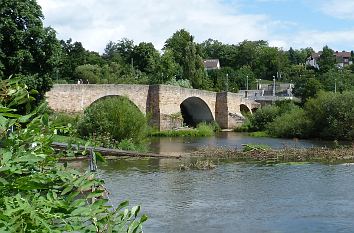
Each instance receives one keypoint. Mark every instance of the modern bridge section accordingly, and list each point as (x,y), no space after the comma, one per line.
(167,106)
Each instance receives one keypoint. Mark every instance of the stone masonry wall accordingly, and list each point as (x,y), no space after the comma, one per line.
(160,102)
(77,97)
(171,98)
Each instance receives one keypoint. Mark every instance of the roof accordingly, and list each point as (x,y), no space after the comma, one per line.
(211,64)
(337,54)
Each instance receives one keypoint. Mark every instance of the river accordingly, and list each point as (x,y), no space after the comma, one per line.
(234,197)
(166,145)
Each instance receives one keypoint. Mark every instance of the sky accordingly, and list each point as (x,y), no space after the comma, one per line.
(283,23)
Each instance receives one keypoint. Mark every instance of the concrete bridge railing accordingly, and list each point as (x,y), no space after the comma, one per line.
(168,106)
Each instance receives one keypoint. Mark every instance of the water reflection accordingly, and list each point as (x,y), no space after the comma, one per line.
(224,139)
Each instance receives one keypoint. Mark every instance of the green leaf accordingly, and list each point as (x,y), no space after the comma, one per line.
(99,157)
(143,218)
(97,193)
(67,190)
(136,210)
(3,181)
(122,205)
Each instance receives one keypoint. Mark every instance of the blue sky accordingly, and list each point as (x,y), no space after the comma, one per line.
(283,23)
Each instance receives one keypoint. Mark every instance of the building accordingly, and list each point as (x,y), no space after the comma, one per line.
(342,59)
(211,64)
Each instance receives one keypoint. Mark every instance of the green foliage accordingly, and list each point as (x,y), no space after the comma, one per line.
(185,53)
(332,115)
(327,60)
(202,130)
(38,194)
(181,83)
(88,73)
(263,116)
(292,124)
(255,147)
(307,87)
(116,116)
(62,119)
(27,49)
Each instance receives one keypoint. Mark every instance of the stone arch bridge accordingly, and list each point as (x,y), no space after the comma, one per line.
(168,106)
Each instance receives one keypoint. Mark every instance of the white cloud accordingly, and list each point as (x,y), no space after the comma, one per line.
(337,40)
(342,9)
(95,22)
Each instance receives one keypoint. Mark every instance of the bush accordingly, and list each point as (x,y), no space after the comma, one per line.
(116,116)
(332,115)
(263,116)
(205,130)
(291,124)
(63,119)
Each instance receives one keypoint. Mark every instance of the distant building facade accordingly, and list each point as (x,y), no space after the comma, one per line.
(342,59)
(211,64)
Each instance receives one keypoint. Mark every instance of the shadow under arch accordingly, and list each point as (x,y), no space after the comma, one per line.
(194,111)
(245,110)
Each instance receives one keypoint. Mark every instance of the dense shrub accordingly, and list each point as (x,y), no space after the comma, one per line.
(116,116)
(332,115)
(63,119)
(294,123)
(263,116)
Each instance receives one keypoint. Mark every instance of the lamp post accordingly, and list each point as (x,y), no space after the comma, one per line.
(247,82)
(273,85)
(335,85)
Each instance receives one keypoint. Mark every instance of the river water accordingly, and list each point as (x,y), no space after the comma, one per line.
(226,139)
(234,197)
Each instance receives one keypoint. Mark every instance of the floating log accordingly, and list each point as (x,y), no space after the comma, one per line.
(109,153)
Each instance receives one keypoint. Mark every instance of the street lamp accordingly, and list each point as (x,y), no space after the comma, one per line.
(335,85)
(273,85)
(247,82)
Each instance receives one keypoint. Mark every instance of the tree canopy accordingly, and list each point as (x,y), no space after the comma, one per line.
(27,48)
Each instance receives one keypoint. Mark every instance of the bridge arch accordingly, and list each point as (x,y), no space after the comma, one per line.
(194,110)
(245,110)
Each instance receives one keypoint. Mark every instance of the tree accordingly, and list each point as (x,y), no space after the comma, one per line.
(73,55)
(307,87)
(146,58)
(27,49)
(187,55)
(292,56)
(327,60)
(120,51)
(167,70)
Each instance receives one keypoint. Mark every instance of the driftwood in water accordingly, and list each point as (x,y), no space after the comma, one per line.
(109,153)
